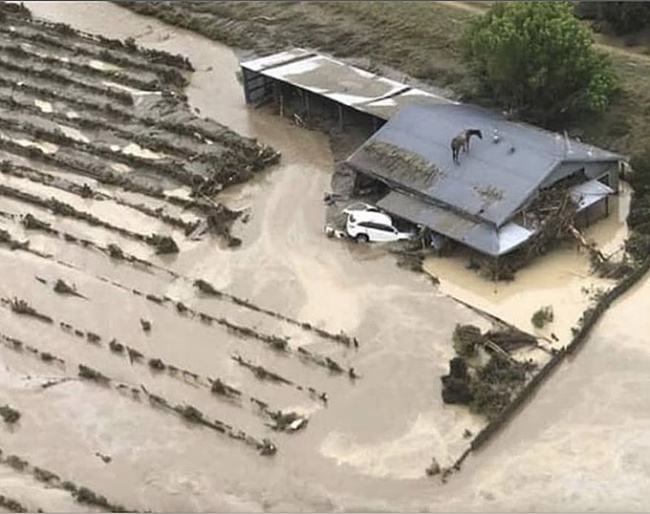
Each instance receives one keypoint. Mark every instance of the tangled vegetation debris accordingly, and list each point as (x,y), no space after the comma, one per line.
(9,414)
(208,289)
(287,422)
(12,505)
(80,493)
(63,288)
(542,316)
(20,306)
(92,374)
(487,387)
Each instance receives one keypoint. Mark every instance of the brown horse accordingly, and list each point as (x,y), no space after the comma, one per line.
(461,142)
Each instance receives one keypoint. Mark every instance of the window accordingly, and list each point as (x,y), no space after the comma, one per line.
(378,226)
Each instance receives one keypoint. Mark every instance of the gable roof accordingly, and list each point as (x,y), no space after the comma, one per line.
(413,151)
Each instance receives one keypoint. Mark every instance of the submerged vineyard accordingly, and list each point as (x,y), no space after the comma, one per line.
(106,176)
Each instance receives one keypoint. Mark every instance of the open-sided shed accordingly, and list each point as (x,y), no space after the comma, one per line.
(319,79)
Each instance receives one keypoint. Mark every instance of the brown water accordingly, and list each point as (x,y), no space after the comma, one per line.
(581,444)
(563,279)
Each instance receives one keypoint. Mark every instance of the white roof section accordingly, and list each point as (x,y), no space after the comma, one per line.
(511,236)
(274,60)
(589,193)
(341,82)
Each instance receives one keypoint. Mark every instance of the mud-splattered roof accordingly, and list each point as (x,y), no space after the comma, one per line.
(493,180)
(341,82)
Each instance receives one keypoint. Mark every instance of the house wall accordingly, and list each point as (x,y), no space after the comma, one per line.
(593,170)
(592,214)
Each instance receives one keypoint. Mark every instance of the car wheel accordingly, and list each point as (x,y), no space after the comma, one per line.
(362,238)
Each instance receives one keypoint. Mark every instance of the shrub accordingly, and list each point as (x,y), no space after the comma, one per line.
(495,384)
(465,338)
(624,17)
(538,58)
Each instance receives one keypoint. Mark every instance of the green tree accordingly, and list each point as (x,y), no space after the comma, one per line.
(538,58)
(625,17)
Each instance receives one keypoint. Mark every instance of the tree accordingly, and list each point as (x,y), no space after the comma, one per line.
(625,17)
(539,59)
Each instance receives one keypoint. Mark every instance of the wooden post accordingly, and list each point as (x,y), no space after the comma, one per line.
(276,94)
(281,103)
(245,80)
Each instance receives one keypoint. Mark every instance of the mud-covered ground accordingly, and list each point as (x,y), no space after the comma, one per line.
(123,428)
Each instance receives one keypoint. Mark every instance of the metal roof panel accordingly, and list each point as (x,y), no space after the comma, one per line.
(491,181)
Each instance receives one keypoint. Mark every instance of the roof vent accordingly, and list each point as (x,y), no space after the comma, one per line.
(567,144)
(511,150)
(495,136)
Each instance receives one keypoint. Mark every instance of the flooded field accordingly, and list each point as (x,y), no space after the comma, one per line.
(103,374)
(563,279)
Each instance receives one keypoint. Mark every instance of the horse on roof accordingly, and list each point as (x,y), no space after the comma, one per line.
(461,142)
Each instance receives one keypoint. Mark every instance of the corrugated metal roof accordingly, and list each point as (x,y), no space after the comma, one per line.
(263,63)
(492,181)
(588,193)
(481,236)
(341,82)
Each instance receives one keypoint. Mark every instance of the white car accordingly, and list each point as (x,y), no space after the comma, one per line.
(371,225)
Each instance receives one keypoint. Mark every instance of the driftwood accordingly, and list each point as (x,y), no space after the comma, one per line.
(597,256)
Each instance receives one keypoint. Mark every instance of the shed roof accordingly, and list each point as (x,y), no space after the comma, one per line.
(481,236)
(341,82)
(492,181)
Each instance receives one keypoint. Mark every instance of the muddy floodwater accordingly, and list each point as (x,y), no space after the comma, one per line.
(582,443)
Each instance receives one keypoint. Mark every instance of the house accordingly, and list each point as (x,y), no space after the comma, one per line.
(488,200)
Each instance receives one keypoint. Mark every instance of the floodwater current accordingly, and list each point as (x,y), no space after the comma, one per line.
(583,443)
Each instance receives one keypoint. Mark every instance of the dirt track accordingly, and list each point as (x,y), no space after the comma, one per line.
(368,447)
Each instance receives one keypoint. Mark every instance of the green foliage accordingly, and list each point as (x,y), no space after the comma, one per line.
(638,219)
(624,17)
(495,384)
(638,246)
(465,338)
(542,316)
(538,58)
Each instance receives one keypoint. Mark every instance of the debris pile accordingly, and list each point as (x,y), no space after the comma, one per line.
(397,161)
(486,386)
(9,415)
(287,422)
